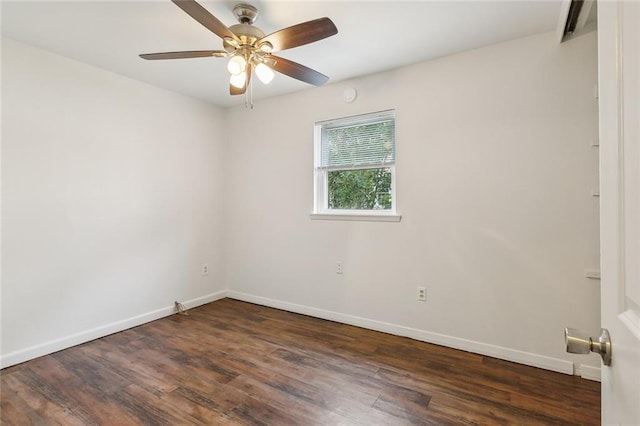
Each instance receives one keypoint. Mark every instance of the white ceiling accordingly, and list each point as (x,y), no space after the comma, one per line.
(373,36)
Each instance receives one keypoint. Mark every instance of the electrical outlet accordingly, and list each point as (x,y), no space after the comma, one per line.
(339,267)
(205,269)
(421,293)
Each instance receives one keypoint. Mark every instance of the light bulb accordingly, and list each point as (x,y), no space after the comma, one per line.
(264,73)
(236,65)
(238,80)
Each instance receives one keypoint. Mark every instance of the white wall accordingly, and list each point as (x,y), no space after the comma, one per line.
(112,198)
(113,194)
(494,177)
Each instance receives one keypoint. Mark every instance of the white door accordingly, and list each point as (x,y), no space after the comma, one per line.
(619,102)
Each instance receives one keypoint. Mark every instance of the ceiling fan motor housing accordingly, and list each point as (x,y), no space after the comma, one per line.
(248,35)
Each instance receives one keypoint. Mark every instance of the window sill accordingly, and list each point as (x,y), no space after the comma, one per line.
(363,217)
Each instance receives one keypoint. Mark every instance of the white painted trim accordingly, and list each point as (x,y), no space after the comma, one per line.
(581,26)
(590,373)
(22,355)
(357,217)
(562,19)
(526,358)
(534,360)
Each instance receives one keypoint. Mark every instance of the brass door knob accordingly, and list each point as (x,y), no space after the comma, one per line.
(578,342)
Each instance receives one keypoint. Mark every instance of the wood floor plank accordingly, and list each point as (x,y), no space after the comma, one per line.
(80,394)
(236,363)
(275,403)
(207,406)
(404,403)
(315,369)
(39,400)
(14,407)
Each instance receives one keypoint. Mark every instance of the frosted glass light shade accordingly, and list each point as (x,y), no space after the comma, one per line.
(236,65)
(238,80)
(264,73)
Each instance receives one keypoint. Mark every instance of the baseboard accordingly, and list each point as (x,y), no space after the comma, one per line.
(16,357)
(534,360)
(590,373)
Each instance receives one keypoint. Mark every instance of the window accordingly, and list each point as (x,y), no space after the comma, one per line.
(355,167)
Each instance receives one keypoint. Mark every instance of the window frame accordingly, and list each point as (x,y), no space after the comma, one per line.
(321,209)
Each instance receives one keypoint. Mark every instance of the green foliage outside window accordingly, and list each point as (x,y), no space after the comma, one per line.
(368,189)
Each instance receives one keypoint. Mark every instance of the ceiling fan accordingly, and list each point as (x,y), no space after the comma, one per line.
(250,50)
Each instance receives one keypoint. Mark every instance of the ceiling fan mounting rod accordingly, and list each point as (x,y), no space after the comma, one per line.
(245,13)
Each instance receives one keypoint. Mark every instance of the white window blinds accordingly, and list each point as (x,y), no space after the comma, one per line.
(353,143)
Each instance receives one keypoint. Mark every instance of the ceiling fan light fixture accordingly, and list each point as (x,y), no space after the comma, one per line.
(264,73)
(237,65)
(238,80)
(248,48)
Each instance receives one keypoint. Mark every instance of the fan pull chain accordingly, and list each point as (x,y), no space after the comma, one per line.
(248,95)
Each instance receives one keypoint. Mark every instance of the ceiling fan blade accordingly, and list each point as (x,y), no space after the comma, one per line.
(203,16)
(300,34)
(185,54)
(233,90)
(298,71)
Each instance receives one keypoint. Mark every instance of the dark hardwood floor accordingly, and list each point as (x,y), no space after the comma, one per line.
(231,362)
